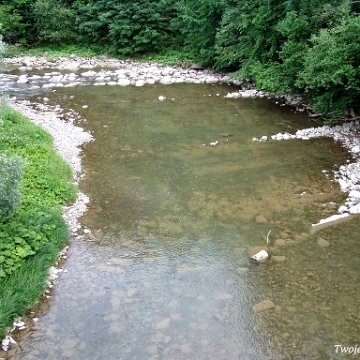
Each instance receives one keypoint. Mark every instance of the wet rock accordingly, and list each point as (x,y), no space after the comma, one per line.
(69,344)
(176,316)
(260,219)
(116,328)
(186,349)
(131,292)
(263,305)
(152,350)
(163,324)
(224,296)
(167,339)
(278,258)
(115,303)
(323,243)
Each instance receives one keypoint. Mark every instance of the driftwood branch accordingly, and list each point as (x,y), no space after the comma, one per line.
(267,238)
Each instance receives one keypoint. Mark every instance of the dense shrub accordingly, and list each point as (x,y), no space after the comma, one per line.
(10,177)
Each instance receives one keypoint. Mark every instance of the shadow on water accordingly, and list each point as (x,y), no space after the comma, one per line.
(165,273)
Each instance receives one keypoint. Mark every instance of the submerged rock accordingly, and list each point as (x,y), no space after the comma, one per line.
(263,305)
(323,243)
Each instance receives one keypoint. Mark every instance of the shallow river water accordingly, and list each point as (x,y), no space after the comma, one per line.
(165,272)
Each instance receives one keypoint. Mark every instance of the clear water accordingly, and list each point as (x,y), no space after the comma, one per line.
(166,273)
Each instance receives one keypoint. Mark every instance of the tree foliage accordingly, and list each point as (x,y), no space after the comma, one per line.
(128,27)
(331,72)
(54,22)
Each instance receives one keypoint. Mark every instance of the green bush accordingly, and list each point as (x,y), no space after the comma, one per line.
(10,178)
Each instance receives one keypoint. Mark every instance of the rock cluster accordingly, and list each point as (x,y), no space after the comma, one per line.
(75,71)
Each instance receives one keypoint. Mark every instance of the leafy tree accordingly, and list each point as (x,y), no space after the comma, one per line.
(54,22)
(199,21)
(331,74)
(17,17)
(127,26)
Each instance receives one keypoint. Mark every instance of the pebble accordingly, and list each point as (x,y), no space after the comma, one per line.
(280,242)
(278,258)
(163,324)
(263,305)
(186,349)
(323,243)
(260,219)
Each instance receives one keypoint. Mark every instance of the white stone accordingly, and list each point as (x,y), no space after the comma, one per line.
(22,80)
(166,80)
(140,83)
(124,82)
(89,73)
(355,209)
(354,194)
(343,209)
(261,256)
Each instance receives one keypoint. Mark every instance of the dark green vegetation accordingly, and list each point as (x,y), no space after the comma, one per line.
(306,47)
(34,185)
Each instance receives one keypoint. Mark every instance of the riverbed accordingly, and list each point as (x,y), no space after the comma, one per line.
(180,195)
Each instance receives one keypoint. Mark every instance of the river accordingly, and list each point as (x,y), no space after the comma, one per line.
(162,270)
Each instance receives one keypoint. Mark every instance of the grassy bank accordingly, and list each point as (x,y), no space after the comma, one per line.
(53,53)
(33,231)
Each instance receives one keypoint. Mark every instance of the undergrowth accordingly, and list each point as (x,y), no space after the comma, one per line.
(32,230)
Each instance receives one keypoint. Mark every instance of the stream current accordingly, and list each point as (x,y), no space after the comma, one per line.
(165,272)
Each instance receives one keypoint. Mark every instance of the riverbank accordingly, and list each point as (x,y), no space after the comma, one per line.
(33,236)
(68,137)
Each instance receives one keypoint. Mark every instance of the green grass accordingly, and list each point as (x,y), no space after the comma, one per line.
(53,53)
(23,288)
(31,238)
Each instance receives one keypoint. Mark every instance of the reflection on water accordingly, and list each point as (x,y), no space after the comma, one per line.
(165,273)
